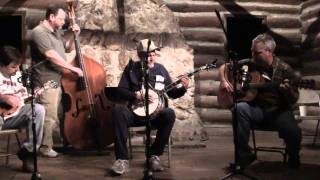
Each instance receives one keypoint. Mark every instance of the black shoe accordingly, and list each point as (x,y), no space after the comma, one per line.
(246,160)
(26,157)
(155,163)
(294,162)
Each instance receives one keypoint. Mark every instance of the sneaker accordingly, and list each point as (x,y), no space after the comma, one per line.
(27,160)
(48,152)
(120,166)
(155,163)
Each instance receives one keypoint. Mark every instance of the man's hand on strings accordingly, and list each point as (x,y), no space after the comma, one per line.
(76,28)
(140,96)
(226,85)
(78,71)
(185,81)
(285,85)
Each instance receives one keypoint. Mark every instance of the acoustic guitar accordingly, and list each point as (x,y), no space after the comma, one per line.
(225,99)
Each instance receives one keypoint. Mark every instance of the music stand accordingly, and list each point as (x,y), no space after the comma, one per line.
(232,56)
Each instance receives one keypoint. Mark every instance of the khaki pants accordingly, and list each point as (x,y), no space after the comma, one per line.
(50,99)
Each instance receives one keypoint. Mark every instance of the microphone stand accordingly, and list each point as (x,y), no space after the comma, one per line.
(30,85)
(147,174)
(232,56)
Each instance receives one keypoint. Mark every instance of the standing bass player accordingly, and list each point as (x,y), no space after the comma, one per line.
(123,117)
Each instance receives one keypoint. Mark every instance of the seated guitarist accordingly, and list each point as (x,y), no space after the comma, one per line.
(272,107)
(131,85)
(11,93)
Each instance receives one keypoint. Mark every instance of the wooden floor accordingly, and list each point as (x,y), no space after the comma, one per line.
(201,163)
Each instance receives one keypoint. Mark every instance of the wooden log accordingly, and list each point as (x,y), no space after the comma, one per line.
(276,2)
(310,26)
(293,35)
(33,17)
(207,75)
(207,87)
(203,59)
(284,21)
(203,101)
(310,12)
(203,19)
(191,6)
(309,3)
(211,6)
(214,115)
(207,47)
(204,34)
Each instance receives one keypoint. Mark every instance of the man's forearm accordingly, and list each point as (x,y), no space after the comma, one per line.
(55,58)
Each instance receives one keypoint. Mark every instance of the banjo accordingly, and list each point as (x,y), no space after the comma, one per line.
(158,100)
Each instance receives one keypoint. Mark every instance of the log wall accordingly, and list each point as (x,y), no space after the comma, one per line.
(204,34)
(310,18)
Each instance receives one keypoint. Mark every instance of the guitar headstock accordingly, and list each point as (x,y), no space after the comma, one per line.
(209,66)
(305,83)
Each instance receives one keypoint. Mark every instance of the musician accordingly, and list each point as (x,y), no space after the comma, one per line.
(123,117)
(48,45)
(272,107)
(15,114)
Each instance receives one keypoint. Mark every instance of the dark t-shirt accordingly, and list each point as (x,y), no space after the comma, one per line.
(42,40)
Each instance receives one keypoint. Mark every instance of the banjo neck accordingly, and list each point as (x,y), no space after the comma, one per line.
(174,84)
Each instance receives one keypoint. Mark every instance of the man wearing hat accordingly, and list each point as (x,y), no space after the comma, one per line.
(131,85)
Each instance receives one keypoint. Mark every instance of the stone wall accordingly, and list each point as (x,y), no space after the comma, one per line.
(110,32)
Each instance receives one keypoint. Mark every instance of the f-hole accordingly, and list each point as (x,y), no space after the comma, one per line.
(241,30)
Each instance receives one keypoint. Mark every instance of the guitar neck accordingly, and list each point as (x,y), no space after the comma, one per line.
(303,83)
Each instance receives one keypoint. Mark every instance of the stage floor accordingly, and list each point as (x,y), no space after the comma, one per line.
(192,162)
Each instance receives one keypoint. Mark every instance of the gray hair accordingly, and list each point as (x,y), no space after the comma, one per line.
(265,39)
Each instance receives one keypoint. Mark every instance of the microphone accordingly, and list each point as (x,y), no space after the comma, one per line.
(244,61)
(245,78)
(25,79)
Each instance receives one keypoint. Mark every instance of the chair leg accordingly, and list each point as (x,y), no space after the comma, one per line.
(169,152)
(130,145)
(254,141)
(285,155)
(316,134)
(8,150)
(18,140)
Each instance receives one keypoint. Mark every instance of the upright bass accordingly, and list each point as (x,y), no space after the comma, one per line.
(87,112)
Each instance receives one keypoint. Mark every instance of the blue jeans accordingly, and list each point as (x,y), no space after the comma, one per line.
(23,120)
(249,114)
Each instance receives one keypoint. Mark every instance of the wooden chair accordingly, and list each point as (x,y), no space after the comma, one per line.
(278,149)
(8,133)
(309,112)
(141,130)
